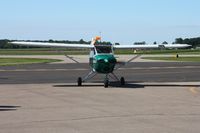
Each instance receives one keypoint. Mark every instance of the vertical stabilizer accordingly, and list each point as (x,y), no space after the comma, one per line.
(97,38)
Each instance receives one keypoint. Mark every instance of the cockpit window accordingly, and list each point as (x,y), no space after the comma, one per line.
(103,49)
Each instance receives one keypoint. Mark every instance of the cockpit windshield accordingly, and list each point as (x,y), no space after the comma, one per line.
(103,49)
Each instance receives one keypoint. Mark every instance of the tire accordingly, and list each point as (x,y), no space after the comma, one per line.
(122,81)
(106,82)
(79,81)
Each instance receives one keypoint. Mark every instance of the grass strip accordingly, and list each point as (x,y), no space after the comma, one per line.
(20,61)
(182,59)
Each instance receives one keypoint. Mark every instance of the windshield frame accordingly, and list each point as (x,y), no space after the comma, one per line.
(101,49)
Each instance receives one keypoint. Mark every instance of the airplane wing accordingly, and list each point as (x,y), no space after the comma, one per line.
(57,45)
(151,46)
(64,45)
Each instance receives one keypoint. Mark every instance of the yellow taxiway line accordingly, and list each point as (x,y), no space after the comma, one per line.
(194,90)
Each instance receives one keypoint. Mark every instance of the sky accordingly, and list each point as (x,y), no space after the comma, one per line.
(123,21)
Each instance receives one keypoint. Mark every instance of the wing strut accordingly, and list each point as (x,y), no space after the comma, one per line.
(71,58)
(125,63)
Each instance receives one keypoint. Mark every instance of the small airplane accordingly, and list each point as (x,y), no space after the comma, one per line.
(101,59)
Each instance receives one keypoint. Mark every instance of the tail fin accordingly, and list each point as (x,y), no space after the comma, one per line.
(95,39)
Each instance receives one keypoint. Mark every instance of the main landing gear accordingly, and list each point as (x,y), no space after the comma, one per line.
(122,81)
(106,80)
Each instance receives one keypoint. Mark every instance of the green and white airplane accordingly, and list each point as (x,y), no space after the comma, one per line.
(101,59)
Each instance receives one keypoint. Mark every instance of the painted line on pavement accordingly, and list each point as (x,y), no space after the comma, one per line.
(83,69)
(194,90)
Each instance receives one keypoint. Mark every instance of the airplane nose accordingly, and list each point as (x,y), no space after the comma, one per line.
(107,60)
(103,61)
(110,60)
(100,61)
(105,64)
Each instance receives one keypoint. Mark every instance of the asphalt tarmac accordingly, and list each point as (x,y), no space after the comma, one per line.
(68,73)
(44,98)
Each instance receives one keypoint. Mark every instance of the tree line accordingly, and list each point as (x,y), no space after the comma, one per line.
(195,42)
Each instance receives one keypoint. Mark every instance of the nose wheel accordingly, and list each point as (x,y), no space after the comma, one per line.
(79,81)
(106,82)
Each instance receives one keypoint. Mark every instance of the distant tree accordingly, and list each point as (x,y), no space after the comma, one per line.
(51,41)
(189,41)
(106,43)
(195,42)
(165,42)
(140,43)
(155,42)
(4,44)
(178,41)
(117,44)
(82,41)
(8,46)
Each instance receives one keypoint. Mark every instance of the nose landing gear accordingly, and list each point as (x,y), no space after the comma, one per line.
(79,81)
(106,83)
(122,81)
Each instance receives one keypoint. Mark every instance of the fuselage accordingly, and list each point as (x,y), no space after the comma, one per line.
(102,59)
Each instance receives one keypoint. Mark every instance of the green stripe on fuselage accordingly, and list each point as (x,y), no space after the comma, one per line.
(104,63)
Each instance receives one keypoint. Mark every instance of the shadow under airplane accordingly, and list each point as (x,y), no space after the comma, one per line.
(130,85)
